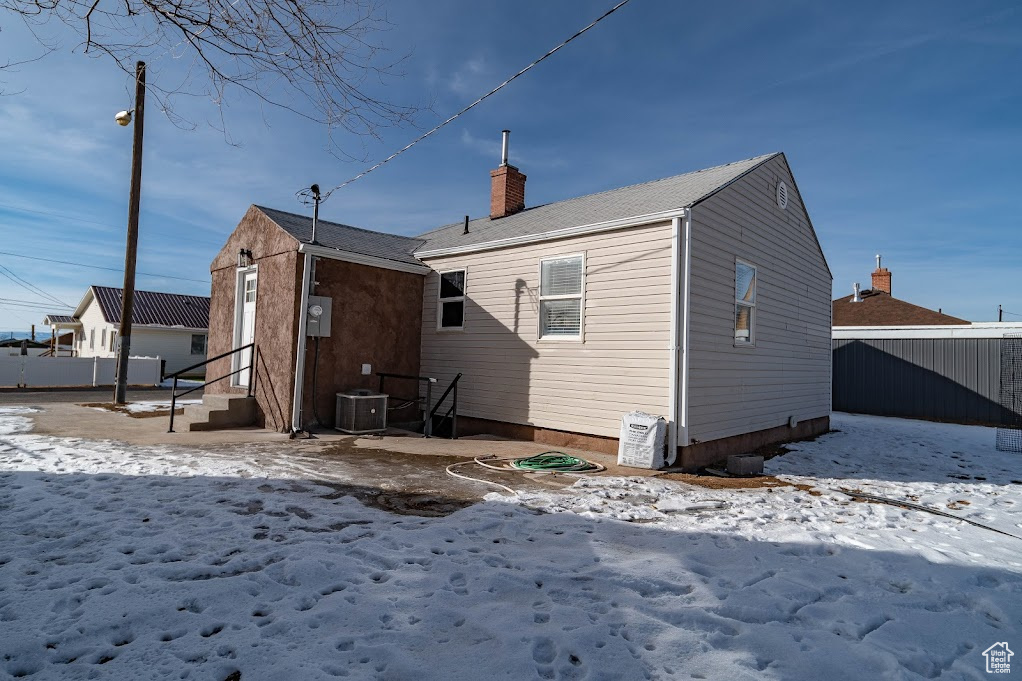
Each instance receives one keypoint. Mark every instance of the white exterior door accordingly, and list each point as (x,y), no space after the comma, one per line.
(245,311)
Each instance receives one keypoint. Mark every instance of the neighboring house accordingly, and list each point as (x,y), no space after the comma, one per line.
(170,326)
(703,298)
(18,346)
(877,307)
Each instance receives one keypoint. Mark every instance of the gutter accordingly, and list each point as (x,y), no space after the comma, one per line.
(360,259)
(296,405)
(593,228)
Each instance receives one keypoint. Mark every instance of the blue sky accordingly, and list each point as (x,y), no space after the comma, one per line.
(900,121)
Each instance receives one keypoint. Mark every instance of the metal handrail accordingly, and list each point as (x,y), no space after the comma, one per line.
(174,395)
(454,409)
(428,380)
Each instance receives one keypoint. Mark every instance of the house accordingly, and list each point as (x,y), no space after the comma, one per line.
(704,298)
(22,346)
(170,326)
(877,307)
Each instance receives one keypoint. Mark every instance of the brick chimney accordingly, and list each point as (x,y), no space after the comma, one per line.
(507,186)
(881,278)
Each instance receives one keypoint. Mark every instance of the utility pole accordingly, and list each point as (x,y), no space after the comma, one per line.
(131,248)
(1000,314)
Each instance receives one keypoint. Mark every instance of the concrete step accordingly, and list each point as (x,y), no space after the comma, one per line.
(219,412)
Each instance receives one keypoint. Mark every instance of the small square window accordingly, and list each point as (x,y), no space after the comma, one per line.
(451,300)
(745,303)
(198,344)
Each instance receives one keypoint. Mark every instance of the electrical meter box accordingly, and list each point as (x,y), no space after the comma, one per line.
(318,316)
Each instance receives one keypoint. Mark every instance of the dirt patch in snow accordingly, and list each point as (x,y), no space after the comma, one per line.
(123,409)
(710,481)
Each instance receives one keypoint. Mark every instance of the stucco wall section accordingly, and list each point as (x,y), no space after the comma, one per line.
(274,253)
(376,319)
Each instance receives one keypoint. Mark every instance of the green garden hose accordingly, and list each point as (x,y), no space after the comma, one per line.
(554,462)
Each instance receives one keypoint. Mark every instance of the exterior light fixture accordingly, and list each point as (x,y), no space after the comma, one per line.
(244,258)
(123,118)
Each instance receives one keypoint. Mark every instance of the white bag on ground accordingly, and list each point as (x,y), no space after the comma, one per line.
(642,440)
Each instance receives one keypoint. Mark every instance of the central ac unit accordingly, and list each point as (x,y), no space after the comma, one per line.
(360,412)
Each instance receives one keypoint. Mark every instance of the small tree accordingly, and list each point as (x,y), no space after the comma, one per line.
(315,58)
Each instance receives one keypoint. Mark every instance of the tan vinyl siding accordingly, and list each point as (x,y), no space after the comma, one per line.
(736,390)
(511,376)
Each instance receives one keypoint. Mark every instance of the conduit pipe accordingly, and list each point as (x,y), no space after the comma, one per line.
(296,405)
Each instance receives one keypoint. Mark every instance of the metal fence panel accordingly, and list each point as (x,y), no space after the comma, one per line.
(945,379)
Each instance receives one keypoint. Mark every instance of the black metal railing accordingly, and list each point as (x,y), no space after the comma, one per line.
(174,393)
(452,412)
(429,408)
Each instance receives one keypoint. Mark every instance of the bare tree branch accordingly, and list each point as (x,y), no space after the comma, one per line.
(317,59)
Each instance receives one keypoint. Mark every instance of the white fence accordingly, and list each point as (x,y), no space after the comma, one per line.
(52,372)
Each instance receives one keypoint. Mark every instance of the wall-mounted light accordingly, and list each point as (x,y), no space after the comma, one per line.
(244,258)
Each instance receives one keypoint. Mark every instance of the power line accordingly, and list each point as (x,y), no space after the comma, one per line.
(72,218)
(97,267)
(473,104)
(30,286)
(37,303)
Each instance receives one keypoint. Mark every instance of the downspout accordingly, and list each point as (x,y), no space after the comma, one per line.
(686,325)
(672,344)
(296,405)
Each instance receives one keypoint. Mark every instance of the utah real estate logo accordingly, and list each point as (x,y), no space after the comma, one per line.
(998,658)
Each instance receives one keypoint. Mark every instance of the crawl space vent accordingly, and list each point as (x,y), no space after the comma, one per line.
(782,195)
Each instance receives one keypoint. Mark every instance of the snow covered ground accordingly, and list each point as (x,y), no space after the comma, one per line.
(146,563)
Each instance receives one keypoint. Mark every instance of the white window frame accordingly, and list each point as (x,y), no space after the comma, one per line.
(113,340)
(751,343)
(580,296)
(92,339)
(453,299)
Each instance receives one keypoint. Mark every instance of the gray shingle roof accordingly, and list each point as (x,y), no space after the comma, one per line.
(657,196)
(155,309)
(347,238)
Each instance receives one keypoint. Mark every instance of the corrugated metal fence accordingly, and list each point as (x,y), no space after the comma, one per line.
(945,379)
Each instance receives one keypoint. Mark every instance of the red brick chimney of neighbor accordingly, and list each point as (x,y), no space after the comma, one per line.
(881,278)
(507,186)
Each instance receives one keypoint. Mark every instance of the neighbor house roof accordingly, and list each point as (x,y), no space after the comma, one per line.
(151,308)
(879,308)
(658,196)
(59,319)
(346,238)
(16,342)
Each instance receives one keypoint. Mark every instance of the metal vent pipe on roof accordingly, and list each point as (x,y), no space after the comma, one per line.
(503,146)
(856,298)
(466,225)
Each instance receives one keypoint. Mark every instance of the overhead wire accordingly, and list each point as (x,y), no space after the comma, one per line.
(98,267)
(28,286)
(423,136)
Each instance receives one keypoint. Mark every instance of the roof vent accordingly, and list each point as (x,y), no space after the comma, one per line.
(856,298)
(782,195)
